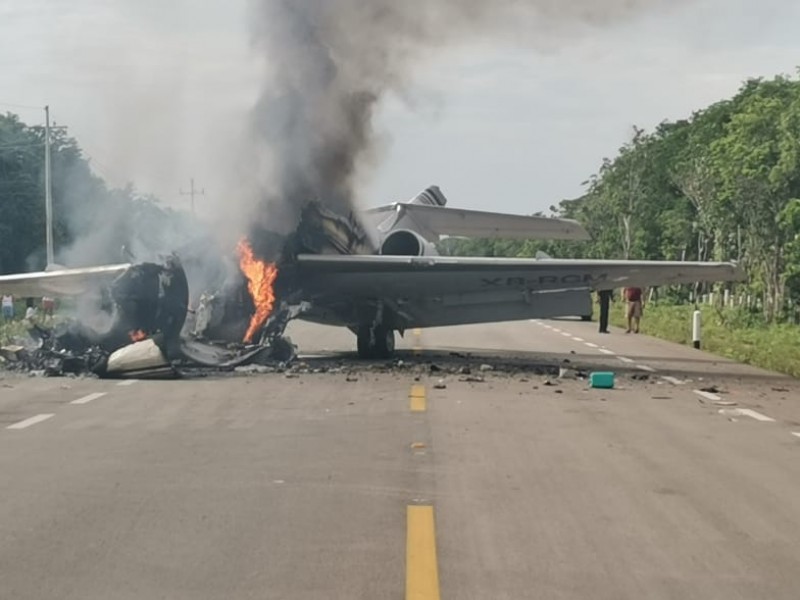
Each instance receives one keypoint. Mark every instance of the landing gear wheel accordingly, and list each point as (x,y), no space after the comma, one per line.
(384,342)
(377,343)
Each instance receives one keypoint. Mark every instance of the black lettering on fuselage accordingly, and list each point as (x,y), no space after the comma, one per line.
(546,281)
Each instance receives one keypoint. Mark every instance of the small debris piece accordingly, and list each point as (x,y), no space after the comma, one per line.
(559,391)
(724,403)
(567,374)
(548,383)
(465,371)
(440,385)
(780,389)
(640,377)
(12,352)
(712,389)
(485,368)
(435,368)
(351,379)
(473,379)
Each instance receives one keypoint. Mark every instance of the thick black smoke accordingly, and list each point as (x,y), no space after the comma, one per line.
(328,64)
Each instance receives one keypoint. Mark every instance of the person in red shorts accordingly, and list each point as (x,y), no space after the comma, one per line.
(633,296)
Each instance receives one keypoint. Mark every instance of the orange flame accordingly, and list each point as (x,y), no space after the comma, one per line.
(260,281)
(137,336)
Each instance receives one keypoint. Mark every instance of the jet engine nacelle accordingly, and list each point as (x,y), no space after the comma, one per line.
(405,243)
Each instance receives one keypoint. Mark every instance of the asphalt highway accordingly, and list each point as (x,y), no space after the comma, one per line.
(411,481)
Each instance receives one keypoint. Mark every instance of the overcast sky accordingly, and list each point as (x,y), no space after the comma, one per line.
(156,92)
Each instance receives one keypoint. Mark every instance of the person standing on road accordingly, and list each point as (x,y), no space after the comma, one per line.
(604,297)
(633,296)
(8,307)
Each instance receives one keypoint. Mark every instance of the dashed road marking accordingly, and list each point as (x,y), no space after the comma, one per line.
(796,434)
(89,398)
(31,421)
(591,345)
(673,380)
(417,399)
(128,382)
(577,339)
(565,334)
(646,368)
(625,359)
(607,351)
(422,570)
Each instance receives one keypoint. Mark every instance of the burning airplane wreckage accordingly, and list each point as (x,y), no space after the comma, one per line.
(376,273)
(140,321)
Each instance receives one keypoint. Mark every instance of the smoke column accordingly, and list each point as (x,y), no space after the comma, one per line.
(328,64)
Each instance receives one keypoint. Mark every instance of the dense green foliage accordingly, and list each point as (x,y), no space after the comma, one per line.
(91,222)
(723,184)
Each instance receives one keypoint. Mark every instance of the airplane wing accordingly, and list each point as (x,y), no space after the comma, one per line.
(61,282)
(409,276)
(435,221)
(438,291)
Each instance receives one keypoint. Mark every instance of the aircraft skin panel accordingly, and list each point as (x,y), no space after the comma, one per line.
(66,282)
(420,277)
(459,309)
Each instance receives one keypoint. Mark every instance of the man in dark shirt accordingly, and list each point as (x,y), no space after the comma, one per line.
(633,296)
(604,296)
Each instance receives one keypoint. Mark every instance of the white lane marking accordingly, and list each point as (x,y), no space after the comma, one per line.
(646,368)
(672,380)
(625,359)
(89,398)
(755,415)
(556,330)
(591,345)
(707,395)
(796,433)
(565,334)
(128,382)
(577,339)
(607,351)
(32,421)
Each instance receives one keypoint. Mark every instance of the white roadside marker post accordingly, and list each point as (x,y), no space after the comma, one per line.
(696,319)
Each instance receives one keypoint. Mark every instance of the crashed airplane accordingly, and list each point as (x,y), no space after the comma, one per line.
(377,273)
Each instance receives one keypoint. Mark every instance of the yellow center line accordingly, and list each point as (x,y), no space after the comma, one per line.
(417,399)
(422,570)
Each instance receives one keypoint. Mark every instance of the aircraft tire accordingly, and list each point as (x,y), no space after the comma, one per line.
(384,342)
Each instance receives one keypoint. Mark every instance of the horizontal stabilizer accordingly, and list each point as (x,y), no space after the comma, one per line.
(432,222)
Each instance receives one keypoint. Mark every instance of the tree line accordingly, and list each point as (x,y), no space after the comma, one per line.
(93,223)
(723,184)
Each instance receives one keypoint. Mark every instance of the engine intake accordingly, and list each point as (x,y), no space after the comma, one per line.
(403,243)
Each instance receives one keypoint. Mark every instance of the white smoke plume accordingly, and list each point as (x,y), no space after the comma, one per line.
(329,63)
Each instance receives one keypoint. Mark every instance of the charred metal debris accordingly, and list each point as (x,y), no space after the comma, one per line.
(162,320)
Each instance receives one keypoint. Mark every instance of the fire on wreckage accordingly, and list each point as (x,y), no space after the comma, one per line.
(155,334)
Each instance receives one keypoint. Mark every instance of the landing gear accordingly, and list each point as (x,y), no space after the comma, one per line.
(377,342)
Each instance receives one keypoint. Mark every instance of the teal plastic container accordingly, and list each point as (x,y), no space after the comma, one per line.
(602,380)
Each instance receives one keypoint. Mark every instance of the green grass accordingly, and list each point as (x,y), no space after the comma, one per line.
(8,331)
(732,333)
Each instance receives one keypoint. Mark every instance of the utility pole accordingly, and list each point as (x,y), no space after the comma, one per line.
(48,186)
(193,192)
